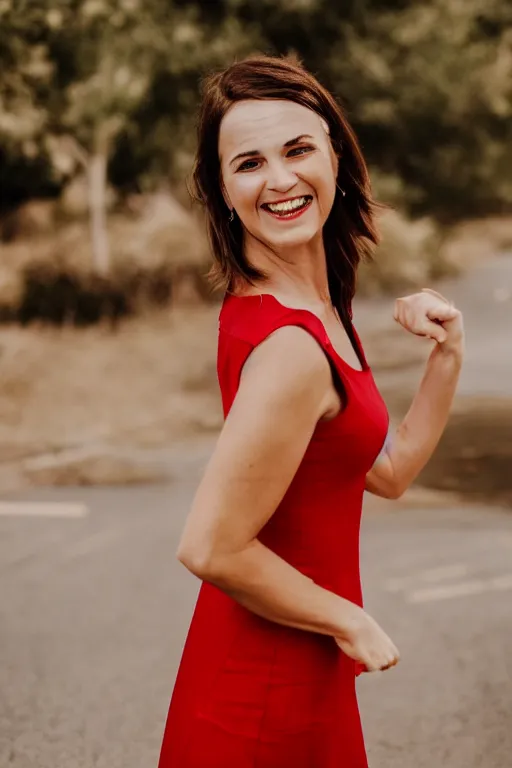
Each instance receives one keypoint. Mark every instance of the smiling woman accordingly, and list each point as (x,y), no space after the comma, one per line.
(267,678)
(282,180)
(270,133)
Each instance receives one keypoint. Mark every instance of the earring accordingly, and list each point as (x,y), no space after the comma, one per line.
(232,215)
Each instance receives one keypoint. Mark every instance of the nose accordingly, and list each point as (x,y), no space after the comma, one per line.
(280,177)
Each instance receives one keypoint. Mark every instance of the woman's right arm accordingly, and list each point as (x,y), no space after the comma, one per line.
(285,388)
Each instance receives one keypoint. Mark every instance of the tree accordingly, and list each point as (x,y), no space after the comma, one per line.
(429,90)
(112,86)
(110,55)
(427,86)
(106,53)
(25,76)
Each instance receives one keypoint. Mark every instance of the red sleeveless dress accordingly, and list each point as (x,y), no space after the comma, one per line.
(251,693)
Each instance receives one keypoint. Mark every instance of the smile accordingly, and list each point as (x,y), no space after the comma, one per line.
(288,209)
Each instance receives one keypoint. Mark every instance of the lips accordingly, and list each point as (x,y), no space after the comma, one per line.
(290,208)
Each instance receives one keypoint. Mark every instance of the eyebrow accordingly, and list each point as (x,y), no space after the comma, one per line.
(252,152)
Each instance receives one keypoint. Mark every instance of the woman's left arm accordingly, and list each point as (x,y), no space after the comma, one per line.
(407,452)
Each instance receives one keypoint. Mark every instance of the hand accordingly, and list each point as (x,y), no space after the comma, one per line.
(429,314)
(368,644)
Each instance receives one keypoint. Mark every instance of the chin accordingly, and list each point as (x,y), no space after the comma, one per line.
(293,238)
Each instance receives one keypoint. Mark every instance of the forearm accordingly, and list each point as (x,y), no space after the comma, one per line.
(267,585)
(420,431)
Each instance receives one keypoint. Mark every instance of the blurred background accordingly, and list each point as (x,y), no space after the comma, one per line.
(108,394)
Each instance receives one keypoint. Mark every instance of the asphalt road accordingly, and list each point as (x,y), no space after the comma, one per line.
(94,607)
(94,611)
(484,295)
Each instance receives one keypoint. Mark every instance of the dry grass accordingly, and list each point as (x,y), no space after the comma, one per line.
(64,387)
(94,406)
(414,254)
(159,254)
(405,256)
(152,251)
(152,382)
(471,241)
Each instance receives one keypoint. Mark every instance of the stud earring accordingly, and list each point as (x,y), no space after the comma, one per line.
(232,215)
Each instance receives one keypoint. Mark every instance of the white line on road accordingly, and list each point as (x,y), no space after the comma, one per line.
(431,575)
(462,589)
(42,509)
(502,582)
(454,571)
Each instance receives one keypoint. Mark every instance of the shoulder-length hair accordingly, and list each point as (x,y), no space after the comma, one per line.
(349,231)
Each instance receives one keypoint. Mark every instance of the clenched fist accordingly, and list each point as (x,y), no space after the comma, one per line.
(429,314)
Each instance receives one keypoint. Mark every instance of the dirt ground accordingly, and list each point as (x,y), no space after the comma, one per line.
(103,406)
(148,384)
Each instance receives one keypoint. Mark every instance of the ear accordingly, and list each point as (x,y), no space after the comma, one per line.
(225,195)
(325,125)
(335,155)
(335,161)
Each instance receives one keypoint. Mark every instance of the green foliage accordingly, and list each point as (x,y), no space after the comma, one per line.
(430,91)
(427,85)
(25,76)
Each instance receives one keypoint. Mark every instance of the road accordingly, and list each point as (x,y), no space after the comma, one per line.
(94,609)
(484,295)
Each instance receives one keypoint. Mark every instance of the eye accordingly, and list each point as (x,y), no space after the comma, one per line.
(248,165)
(297,151)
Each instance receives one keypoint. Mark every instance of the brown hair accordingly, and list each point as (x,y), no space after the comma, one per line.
(349,230)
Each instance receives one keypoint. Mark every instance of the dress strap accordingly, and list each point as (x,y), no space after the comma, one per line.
(246,321)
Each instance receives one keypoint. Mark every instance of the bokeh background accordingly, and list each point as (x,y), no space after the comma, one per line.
(108,394)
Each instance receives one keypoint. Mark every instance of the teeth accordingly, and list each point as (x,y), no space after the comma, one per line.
(289,205)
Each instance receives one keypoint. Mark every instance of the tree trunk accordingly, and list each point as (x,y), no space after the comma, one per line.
(97,185)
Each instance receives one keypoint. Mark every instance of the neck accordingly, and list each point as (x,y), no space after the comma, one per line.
(295,272)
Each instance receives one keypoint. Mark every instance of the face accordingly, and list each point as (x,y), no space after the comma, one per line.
(278,170)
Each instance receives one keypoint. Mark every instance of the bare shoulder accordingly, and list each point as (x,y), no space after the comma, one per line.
(289,365)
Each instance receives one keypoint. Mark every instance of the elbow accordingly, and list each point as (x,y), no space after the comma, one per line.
(198,561)
(194,561)
(396,492)
(396,484)
(392,489)
(388,490)
(397,489)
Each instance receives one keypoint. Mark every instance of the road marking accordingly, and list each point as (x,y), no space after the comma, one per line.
(454,571)
(431,575)
(42,509)
(502,582)
(462,589)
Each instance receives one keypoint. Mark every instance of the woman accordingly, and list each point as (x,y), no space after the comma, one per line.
(267,678)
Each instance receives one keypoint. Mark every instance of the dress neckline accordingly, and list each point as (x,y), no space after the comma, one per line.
(361,371)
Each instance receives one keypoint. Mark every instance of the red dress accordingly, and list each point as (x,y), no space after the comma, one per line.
(251,693)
